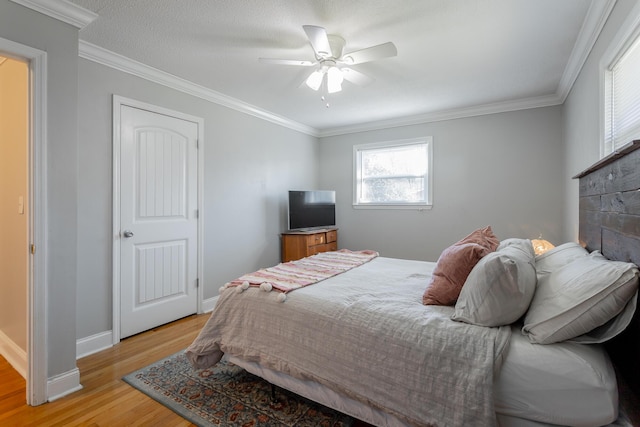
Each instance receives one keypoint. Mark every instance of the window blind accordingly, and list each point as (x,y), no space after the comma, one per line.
(622,100)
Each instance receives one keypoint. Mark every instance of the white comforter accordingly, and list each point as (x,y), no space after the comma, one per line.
(365,334)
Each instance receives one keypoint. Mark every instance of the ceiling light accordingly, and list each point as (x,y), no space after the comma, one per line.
(328,51)
(334,80)
(314,81)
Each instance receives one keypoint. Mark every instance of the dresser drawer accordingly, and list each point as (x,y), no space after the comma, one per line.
(312,250)
(300,244)
(316,239)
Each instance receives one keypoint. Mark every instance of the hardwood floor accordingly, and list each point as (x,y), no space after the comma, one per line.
(105,399)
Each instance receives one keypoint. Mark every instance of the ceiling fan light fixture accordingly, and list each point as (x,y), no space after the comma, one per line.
(329,59)
(334,80)
(314,81)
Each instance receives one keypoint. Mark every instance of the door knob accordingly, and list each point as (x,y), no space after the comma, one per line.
(127,233)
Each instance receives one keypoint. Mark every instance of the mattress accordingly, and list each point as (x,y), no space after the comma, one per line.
(563,383)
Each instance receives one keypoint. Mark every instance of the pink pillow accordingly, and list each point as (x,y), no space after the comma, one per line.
(483,237)
(455,264)
(453,267)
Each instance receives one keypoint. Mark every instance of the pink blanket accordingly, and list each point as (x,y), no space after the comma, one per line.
(293,275)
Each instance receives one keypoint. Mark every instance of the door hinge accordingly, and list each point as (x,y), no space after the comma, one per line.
(197,283)
(197,213)
(33,249)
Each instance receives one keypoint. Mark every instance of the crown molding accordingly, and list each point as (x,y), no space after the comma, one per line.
(595,19)
(597,16)
(438,116)
(61,10)
(111,59)
(119,62)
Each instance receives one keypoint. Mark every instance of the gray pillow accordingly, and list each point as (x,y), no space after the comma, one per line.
(579,297)
(500,286)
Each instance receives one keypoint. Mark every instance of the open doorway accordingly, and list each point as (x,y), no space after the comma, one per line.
(25,202)
(14,211)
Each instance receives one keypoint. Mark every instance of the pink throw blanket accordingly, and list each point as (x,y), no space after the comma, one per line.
(293,275)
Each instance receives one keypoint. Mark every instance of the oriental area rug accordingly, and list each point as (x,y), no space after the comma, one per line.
(227,395)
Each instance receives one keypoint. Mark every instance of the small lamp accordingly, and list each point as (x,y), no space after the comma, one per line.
(541,246)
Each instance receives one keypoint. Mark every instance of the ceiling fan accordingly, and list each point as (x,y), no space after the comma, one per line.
(332,62)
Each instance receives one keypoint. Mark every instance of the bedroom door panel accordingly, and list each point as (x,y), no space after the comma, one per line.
(158,218)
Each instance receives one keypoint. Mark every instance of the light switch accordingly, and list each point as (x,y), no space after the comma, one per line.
(21,205)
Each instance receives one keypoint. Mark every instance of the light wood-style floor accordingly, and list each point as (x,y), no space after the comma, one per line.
(105,399)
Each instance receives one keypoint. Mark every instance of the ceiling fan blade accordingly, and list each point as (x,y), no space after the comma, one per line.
(356,77)
(319,40)
(380,51)
(301,63)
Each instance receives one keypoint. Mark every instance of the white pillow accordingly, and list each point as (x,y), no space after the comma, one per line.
(500,286)
(579,297)
(557,257)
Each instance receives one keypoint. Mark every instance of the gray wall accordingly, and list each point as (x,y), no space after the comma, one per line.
(249,166)
(501,170)
(581,114)
(60,41)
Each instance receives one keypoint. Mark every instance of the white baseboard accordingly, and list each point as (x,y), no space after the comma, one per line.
(103,340)
(63,384)
(57,386)
(16,356)
(93,344)
(209,304)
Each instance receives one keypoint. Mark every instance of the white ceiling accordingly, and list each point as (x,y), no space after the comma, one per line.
(455,57)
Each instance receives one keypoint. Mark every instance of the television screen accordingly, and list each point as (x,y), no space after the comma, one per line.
(312,209)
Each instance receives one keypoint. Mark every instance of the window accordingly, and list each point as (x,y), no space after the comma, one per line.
(622,94)
(393,174)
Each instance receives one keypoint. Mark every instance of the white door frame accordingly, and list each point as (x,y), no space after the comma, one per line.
(36,380)
(118,102)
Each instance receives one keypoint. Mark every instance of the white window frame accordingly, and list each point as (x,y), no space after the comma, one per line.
(627,35)
(428,140)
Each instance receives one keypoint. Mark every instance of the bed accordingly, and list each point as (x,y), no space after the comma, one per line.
(362,340)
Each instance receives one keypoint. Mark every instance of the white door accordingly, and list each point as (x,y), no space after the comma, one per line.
(158,219)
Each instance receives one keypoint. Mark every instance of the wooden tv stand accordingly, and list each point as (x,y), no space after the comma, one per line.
(300,244)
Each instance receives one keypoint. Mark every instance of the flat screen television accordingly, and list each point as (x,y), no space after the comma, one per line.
(309,209)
